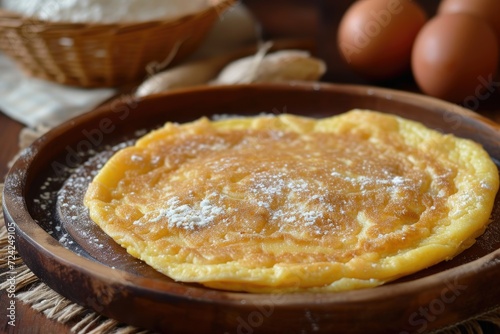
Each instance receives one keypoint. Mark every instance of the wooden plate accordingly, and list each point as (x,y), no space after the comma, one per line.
(59,245)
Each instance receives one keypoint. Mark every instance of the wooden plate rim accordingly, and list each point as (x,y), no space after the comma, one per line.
(16,212)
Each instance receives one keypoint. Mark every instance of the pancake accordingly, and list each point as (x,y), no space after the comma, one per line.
(287,203)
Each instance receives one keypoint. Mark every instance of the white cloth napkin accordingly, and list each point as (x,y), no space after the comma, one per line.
(36,103)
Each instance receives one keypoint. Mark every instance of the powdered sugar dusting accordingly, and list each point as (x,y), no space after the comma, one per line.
(71,212)
(316,194)
(188,216)
(364,182)
(268,188)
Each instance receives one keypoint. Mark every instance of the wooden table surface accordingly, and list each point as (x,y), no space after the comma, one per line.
(314,19)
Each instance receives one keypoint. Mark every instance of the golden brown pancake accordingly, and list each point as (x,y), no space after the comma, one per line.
(287,203)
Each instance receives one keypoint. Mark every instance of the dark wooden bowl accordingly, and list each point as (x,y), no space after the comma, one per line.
(443,295)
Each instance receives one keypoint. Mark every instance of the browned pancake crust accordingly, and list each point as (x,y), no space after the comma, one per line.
(289,203)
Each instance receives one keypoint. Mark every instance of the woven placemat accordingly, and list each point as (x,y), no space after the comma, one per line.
(30,290)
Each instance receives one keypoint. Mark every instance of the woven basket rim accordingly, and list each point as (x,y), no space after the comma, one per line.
(14,20)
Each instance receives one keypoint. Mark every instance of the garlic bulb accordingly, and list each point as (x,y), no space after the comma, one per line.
(280,66)
(286,65)
(185,75)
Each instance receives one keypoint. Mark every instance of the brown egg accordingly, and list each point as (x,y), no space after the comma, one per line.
(375,37)
(489,10)
(454,55)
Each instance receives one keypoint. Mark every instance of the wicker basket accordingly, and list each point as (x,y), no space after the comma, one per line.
(102,55)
